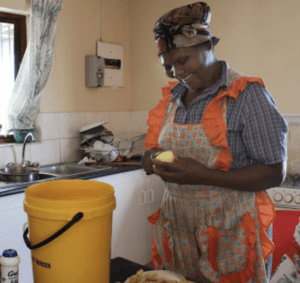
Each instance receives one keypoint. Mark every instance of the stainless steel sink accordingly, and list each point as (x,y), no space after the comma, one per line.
(43,176)
(63,169)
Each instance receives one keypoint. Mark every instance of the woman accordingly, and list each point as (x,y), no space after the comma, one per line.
(230,146)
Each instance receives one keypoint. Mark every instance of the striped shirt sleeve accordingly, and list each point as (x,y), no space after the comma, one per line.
(265,130)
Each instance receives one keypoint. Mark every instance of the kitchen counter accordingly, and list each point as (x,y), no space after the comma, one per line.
(16,188)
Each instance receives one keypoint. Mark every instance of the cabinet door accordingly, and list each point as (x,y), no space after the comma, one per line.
(155,191)
(129,222)
(12,218)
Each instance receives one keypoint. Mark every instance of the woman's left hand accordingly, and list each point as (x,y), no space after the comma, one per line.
(182,171)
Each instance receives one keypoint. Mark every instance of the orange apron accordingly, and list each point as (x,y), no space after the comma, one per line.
(201,230)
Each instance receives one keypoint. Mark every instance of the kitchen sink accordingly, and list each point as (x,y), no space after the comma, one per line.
(58,171)
(43,176)
(63,169)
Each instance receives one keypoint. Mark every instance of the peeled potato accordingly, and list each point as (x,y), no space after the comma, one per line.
(166,156)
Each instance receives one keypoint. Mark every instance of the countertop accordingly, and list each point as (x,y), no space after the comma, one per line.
(15,188)
(121,269)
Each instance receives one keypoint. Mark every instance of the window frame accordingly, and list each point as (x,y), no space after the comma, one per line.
(20,44)
(20,37)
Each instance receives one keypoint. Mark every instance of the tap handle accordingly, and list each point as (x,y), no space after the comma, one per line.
(35,164)
(26,163)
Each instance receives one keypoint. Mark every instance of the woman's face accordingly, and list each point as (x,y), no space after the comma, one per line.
(190,65)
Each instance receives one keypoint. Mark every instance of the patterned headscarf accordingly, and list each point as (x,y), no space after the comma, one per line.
(184,26)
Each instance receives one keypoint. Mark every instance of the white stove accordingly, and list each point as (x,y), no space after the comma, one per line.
(287,197)
(287,215)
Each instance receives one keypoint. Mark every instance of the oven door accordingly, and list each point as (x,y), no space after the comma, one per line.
(284,227)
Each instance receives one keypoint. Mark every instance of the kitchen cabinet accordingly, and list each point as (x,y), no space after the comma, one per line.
(155,191)
(129,222)
(12,219)
(137,197)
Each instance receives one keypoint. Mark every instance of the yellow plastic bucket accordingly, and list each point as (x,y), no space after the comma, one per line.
(70,223)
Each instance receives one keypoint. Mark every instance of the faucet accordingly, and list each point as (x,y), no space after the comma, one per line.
(26,163)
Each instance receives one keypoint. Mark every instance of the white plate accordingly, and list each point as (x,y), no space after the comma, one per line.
(138,145)
(106,137)
(125,146)
(88,139)
(163,274)
(92,126)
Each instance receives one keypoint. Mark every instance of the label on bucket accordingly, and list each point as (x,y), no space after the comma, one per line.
(41,263)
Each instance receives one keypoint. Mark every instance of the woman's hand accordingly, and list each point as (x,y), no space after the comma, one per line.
(181,171)
(147,159)
(187,171)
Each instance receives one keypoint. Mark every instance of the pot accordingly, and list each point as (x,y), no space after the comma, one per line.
(19,174)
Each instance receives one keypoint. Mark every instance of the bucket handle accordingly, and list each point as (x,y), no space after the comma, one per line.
(75,219)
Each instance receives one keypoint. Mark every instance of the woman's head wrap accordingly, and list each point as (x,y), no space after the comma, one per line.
(184,26)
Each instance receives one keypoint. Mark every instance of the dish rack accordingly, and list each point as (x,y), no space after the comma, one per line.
(105,155)
(123,148)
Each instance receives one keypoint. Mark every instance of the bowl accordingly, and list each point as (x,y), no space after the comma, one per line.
(19,135)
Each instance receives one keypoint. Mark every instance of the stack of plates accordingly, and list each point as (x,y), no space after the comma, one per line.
(95,130)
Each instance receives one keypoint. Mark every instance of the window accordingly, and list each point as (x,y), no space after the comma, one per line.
(13,43)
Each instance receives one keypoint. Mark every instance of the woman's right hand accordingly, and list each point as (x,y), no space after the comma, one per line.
(147,159)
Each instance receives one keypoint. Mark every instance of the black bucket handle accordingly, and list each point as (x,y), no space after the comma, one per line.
(75,219)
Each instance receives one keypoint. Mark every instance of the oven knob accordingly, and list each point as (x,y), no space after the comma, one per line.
(297,199)
(288,198)
(277,197)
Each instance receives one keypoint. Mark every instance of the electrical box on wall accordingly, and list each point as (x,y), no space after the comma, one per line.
(114,63)
(94,71)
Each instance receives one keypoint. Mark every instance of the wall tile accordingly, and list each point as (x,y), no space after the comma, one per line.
(138,122)
(69,149)
(13,153)
(292,119)
(122,135)
(70,124)
(59,136)
(119,122)
(50,126)
(293,165)
(46,152)
(38,127)
(294,138)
